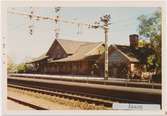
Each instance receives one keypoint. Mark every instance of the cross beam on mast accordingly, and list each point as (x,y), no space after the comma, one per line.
(56,18)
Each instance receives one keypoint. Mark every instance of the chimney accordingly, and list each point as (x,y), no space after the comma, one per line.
(133,38)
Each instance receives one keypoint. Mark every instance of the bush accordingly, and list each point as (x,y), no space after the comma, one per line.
(11,68)
(24,68)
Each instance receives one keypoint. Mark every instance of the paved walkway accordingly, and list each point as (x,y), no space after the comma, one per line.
(79,77)
(74,76)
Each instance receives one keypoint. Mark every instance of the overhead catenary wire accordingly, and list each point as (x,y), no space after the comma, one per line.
(79,24)
(123,24)
(56,18)
(23,24)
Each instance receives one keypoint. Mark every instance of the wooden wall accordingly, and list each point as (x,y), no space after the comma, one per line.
(56,51)
(78,67)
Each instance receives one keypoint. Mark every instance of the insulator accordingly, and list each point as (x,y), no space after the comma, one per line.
(55,21)
(31,31)
(38,18)
(89,26)
(30,16)
(56,35)
(57,9)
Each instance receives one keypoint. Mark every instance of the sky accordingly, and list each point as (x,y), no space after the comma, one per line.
(21,46)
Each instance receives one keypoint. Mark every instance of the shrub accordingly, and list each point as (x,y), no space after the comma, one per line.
(24,68)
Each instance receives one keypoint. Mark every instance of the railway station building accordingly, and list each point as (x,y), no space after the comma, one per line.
(69,57)
(87,58)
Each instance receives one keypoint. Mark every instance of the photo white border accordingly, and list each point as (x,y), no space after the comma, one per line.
(86,3)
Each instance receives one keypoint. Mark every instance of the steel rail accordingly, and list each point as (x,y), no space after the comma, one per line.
(113,93)
(65,95)
(26,104)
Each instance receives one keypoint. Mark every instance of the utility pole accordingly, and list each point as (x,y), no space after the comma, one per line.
(106,22)
(105,19)
(57,28)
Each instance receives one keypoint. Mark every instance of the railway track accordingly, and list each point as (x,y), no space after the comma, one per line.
(36,107)
(65,95)
(99,94)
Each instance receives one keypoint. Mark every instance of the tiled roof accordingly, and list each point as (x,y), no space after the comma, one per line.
(80,50)
(83,51)
(70,46)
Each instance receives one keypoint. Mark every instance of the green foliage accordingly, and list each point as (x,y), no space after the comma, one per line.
(143,43)
(152,64)
(21,68)
(11,68)
(150,27)
(150,59)
(24,68)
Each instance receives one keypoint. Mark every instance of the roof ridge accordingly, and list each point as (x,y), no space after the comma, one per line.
(100,43)
(90,43)
(77,41)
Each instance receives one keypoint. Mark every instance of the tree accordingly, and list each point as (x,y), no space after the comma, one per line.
(11,67)
(21,68)
(24,68)
(150,27)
